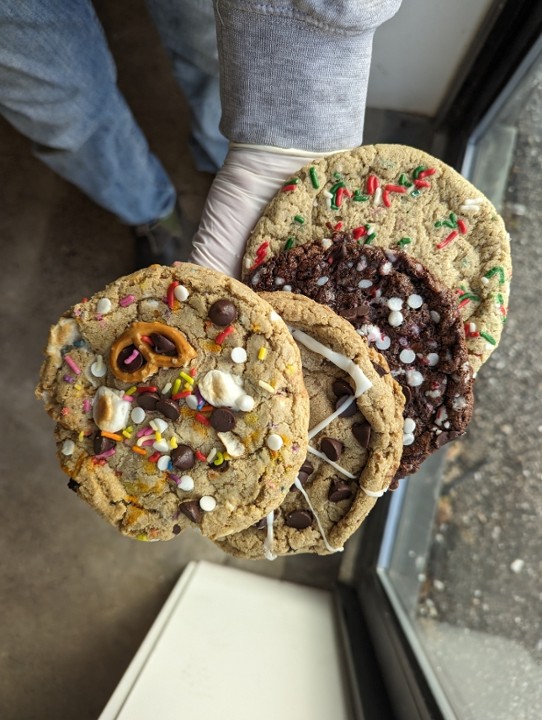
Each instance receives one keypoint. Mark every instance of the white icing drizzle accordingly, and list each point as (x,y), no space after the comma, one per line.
(329,547)
(333,464)
(268,542)
(362,382)
(373,493)
(326,421)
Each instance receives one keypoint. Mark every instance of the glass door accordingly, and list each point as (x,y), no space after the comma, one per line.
(461,558)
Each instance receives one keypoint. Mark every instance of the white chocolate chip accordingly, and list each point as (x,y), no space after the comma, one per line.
(287,288)
(68,446)
(322,280)
(245,403)
(414,378)
(414,301)
(395,303)
(110,411)
(103,306)
(409,425)
(408,438)
(186,483)
(192,402)
(233,445)
(207,503)
(274,441)
(395,318)
(274,316)
(159,425)
(364,284)
(238,355)
(435,317)
(383,343)
(432,359)
(181,293)
(163,462)
(161,445)
(386,268)
(98,367)
(407,356)
(137,415)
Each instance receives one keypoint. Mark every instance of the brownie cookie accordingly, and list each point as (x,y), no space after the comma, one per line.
(406,314)
(167,417)
(355,440)
(399,197)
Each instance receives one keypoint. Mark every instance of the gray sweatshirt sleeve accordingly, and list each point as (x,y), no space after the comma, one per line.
(294,73)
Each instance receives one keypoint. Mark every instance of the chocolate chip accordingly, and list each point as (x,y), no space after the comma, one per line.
(102,444)
(134,364)
(147,400)
(176,529)
(303,475)
(380,370)
(341,387)
(407,393)
(299,519)
(362,433)
(331,448)
(261,524)
(192,510)
(222,419)
(355,313)
(223,312)
(162,345)
(168,407)
(73,485)
(350,410)
(182,457)
(339,490)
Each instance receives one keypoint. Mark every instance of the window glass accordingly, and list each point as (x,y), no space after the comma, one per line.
(462,558)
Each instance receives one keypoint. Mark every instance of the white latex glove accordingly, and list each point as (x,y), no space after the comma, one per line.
(248,180)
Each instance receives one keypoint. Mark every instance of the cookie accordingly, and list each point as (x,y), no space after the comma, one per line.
(167,416)
(399,197)
(355,440)
(406,314)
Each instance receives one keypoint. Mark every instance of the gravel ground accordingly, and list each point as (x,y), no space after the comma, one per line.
(485,566)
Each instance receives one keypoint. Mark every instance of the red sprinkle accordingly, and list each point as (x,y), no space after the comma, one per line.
(395,188)
(146,339)
(464,302)
(289,188)
(348,192)
(170,295)
(192,372)
(180,395)
(422,183)
(154,457)
(426,173)
(219,339)
(447,240)
(338,226)
(146,388)
(200,456)
(202,419)
(386,198)
(462,227)
(372,184)
(358,232)
(339,196)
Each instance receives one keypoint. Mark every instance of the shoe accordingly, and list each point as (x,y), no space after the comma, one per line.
(163,241)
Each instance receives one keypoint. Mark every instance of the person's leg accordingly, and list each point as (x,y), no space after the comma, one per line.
(187,30)
(58,87)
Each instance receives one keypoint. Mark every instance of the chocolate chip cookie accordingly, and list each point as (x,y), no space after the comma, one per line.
(405,313)
(179,401)
(400,198)
(355,438)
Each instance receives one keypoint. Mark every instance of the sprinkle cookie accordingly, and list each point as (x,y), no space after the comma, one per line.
(405,314)
(179,401)
(400,198)
(355,438)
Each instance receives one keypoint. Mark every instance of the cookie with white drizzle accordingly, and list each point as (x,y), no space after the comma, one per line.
(167,416)
(355,438)
(406,314)
(399,197)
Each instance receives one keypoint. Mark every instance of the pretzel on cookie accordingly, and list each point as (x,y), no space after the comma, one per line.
(137,335)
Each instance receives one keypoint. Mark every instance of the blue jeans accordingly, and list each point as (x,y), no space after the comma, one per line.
(58,88)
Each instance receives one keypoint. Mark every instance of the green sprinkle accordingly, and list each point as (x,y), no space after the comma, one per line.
(359,197)
(404,241)
(500,299)
(438,223)
(469,296)
(417,171)
(449,224)
(334,188)
(289,243)
(415,193)
(370,238)
(337,176)
(292,181)
(299,219)
(497,270)
(403,180)
(453,218)
(487,336)
(314,178)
